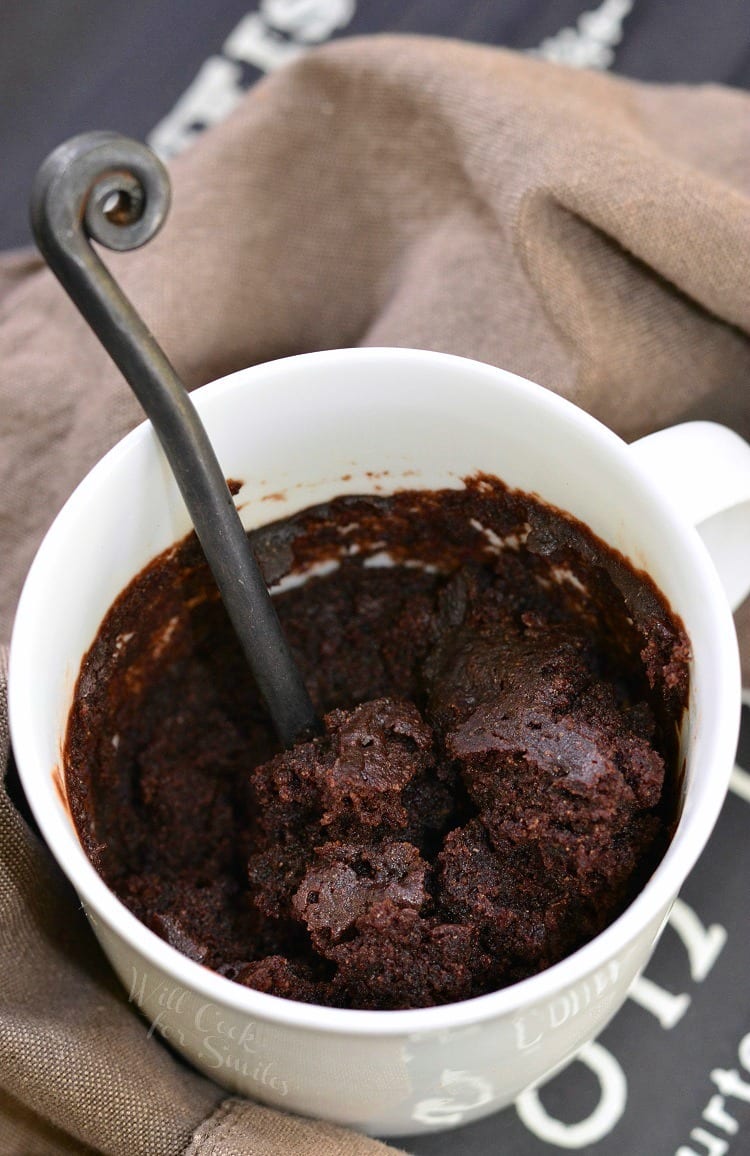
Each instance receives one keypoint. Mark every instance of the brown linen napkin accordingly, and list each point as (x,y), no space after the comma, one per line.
(587,232)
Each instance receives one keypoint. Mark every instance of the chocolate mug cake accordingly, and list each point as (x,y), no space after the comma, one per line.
(496,776)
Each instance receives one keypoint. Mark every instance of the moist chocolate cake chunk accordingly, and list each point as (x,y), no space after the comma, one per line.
(356,775)
(397,958)
(495,779)
(347,881)
(277,975)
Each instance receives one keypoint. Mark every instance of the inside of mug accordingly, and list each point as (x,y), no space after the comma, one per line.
(300,433)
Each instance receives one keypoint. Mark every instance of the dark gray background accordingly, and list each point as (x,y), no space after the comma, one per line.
(66,67)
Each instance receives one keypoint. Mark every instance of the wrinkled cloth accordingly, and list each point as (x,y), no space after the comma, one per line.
(584,231)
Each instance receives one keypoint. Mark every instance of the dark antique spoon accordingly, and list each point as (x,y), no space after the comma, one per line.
(104,186)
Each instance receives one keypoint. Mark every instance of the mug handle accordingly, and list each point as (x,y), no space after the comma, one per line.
(704,468)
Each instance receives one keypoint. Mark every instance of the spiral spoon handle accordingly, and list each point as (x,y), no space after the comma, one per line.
(105,187)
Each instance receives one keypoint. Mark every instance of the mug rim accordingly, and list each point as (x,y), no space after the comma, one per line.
(690,836)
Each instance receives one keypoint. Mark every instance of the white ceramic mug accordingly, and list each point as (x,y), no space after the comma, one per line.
(386,419)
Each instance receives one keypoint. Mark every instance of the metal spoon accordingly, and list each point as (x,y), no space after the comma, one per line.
(104,186)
